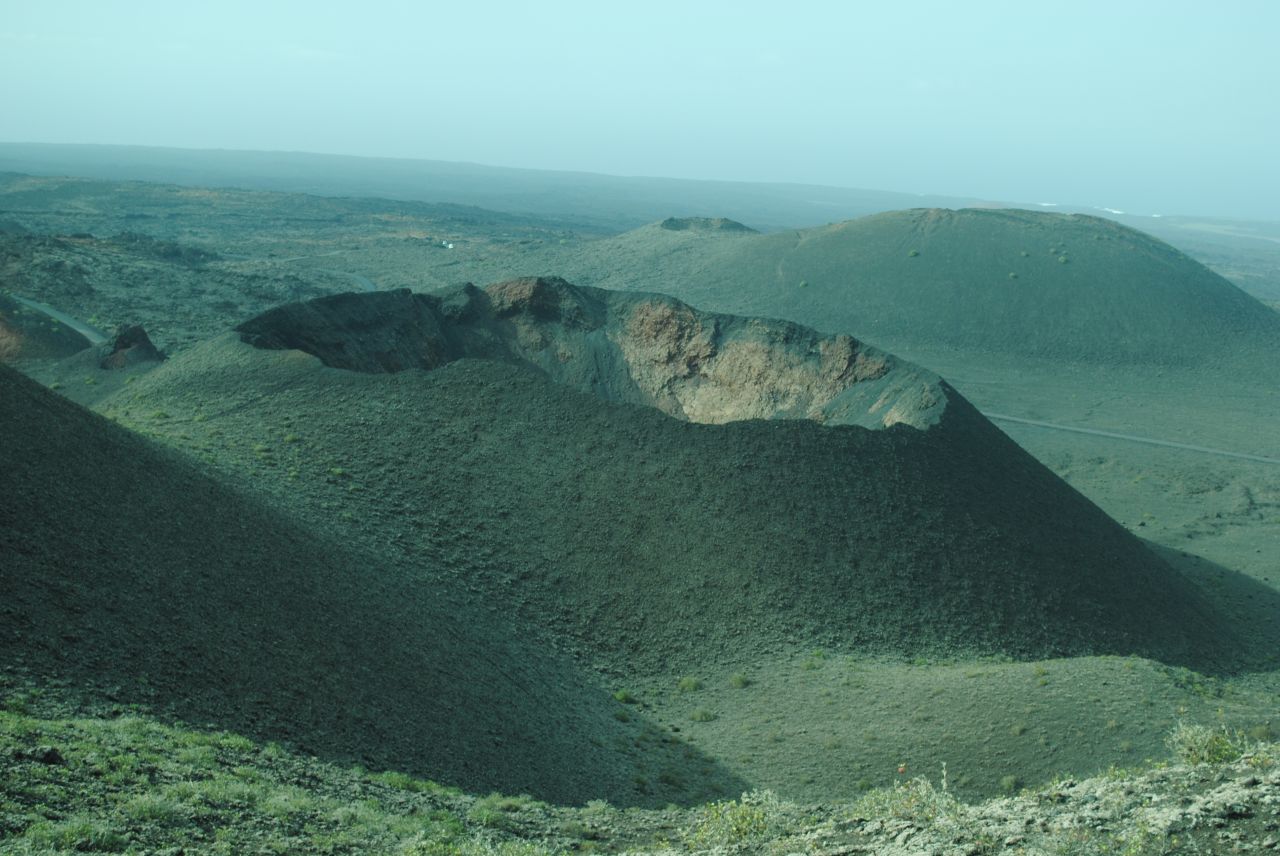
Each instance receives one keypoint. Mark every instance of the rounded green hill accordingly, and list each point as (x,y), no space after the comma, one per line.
(1022,283)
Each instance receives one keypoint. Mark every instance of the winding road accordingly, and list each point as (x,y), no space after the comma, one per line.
(1132,438)
(93,334)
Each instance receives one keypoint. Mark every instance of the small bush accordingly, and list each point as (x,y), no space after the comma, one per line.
(916,800)
(755,817)
(739,681)
(702,715)
(1200,744)
(625,697)
(689,684)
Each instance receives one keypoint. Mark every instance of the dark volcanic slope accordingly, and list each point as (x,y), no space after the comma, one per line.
(1015,282)
(123,566)
(546,475)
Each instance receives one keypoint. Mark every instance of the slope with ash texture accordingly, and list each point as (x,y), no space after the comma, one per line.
(656,542)
(1023,283)
(126,568)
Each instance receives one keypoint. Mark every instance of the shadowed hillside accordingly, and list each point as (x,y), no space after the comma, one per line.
(1022,283)
(536,473)
(138,578)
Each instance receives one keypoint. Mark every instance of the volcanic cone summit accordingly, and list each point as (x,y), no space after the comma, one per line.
(645,349)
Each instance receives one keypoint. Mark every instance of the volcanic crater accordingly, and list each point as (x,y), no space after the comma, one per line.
(646,349)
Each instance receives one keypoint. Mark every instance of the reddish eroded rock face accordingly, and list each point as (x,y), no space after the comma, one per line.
(130,346)
(646,349)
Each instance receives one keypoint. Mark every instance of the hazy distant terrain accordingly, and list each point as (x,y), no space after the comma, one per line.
(1247,252)
(575,199)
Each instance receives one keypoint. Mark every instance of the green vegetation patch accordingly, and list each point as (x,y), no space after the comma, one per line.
(132,784)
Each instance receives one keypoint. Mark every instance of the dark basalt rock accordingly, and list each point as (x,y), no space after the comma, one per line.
(130,346)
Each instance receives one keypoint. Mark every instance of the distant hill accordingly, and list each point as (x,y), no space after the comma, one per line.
(1064,287)
(521,436)
(134,577)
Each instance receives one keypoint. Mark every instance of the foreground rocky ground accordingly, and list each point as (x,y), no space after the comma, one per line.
(114,779)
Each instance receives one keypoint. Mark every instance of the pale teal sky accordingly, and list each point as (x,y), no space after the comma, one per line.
(1152,107)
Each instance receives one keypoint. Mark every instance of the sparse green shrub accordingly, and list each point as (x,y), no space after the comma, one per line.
(755,817)
(405,782)
(76,833)
(916,800)
(689,684)
(702,715)
(1010,784)
(159,808)
(815,659)
(739,681)
(1200,744)
(625,697)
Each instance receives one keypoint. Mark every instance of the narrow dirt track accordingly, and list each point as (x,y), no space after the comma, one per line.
(1132,438)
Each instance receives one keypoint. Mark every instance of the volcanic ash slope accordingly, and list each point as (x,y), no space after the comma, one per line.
(666,487)
(128,573)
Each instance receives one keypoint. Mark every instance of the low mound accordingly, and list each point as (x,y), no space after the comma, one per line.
(1023,283)
(136,577)
(535,460)
(27,333)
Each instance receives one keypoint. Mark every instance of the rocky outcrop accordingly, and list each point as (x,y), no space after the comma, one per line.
(129,347)
(704,224)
